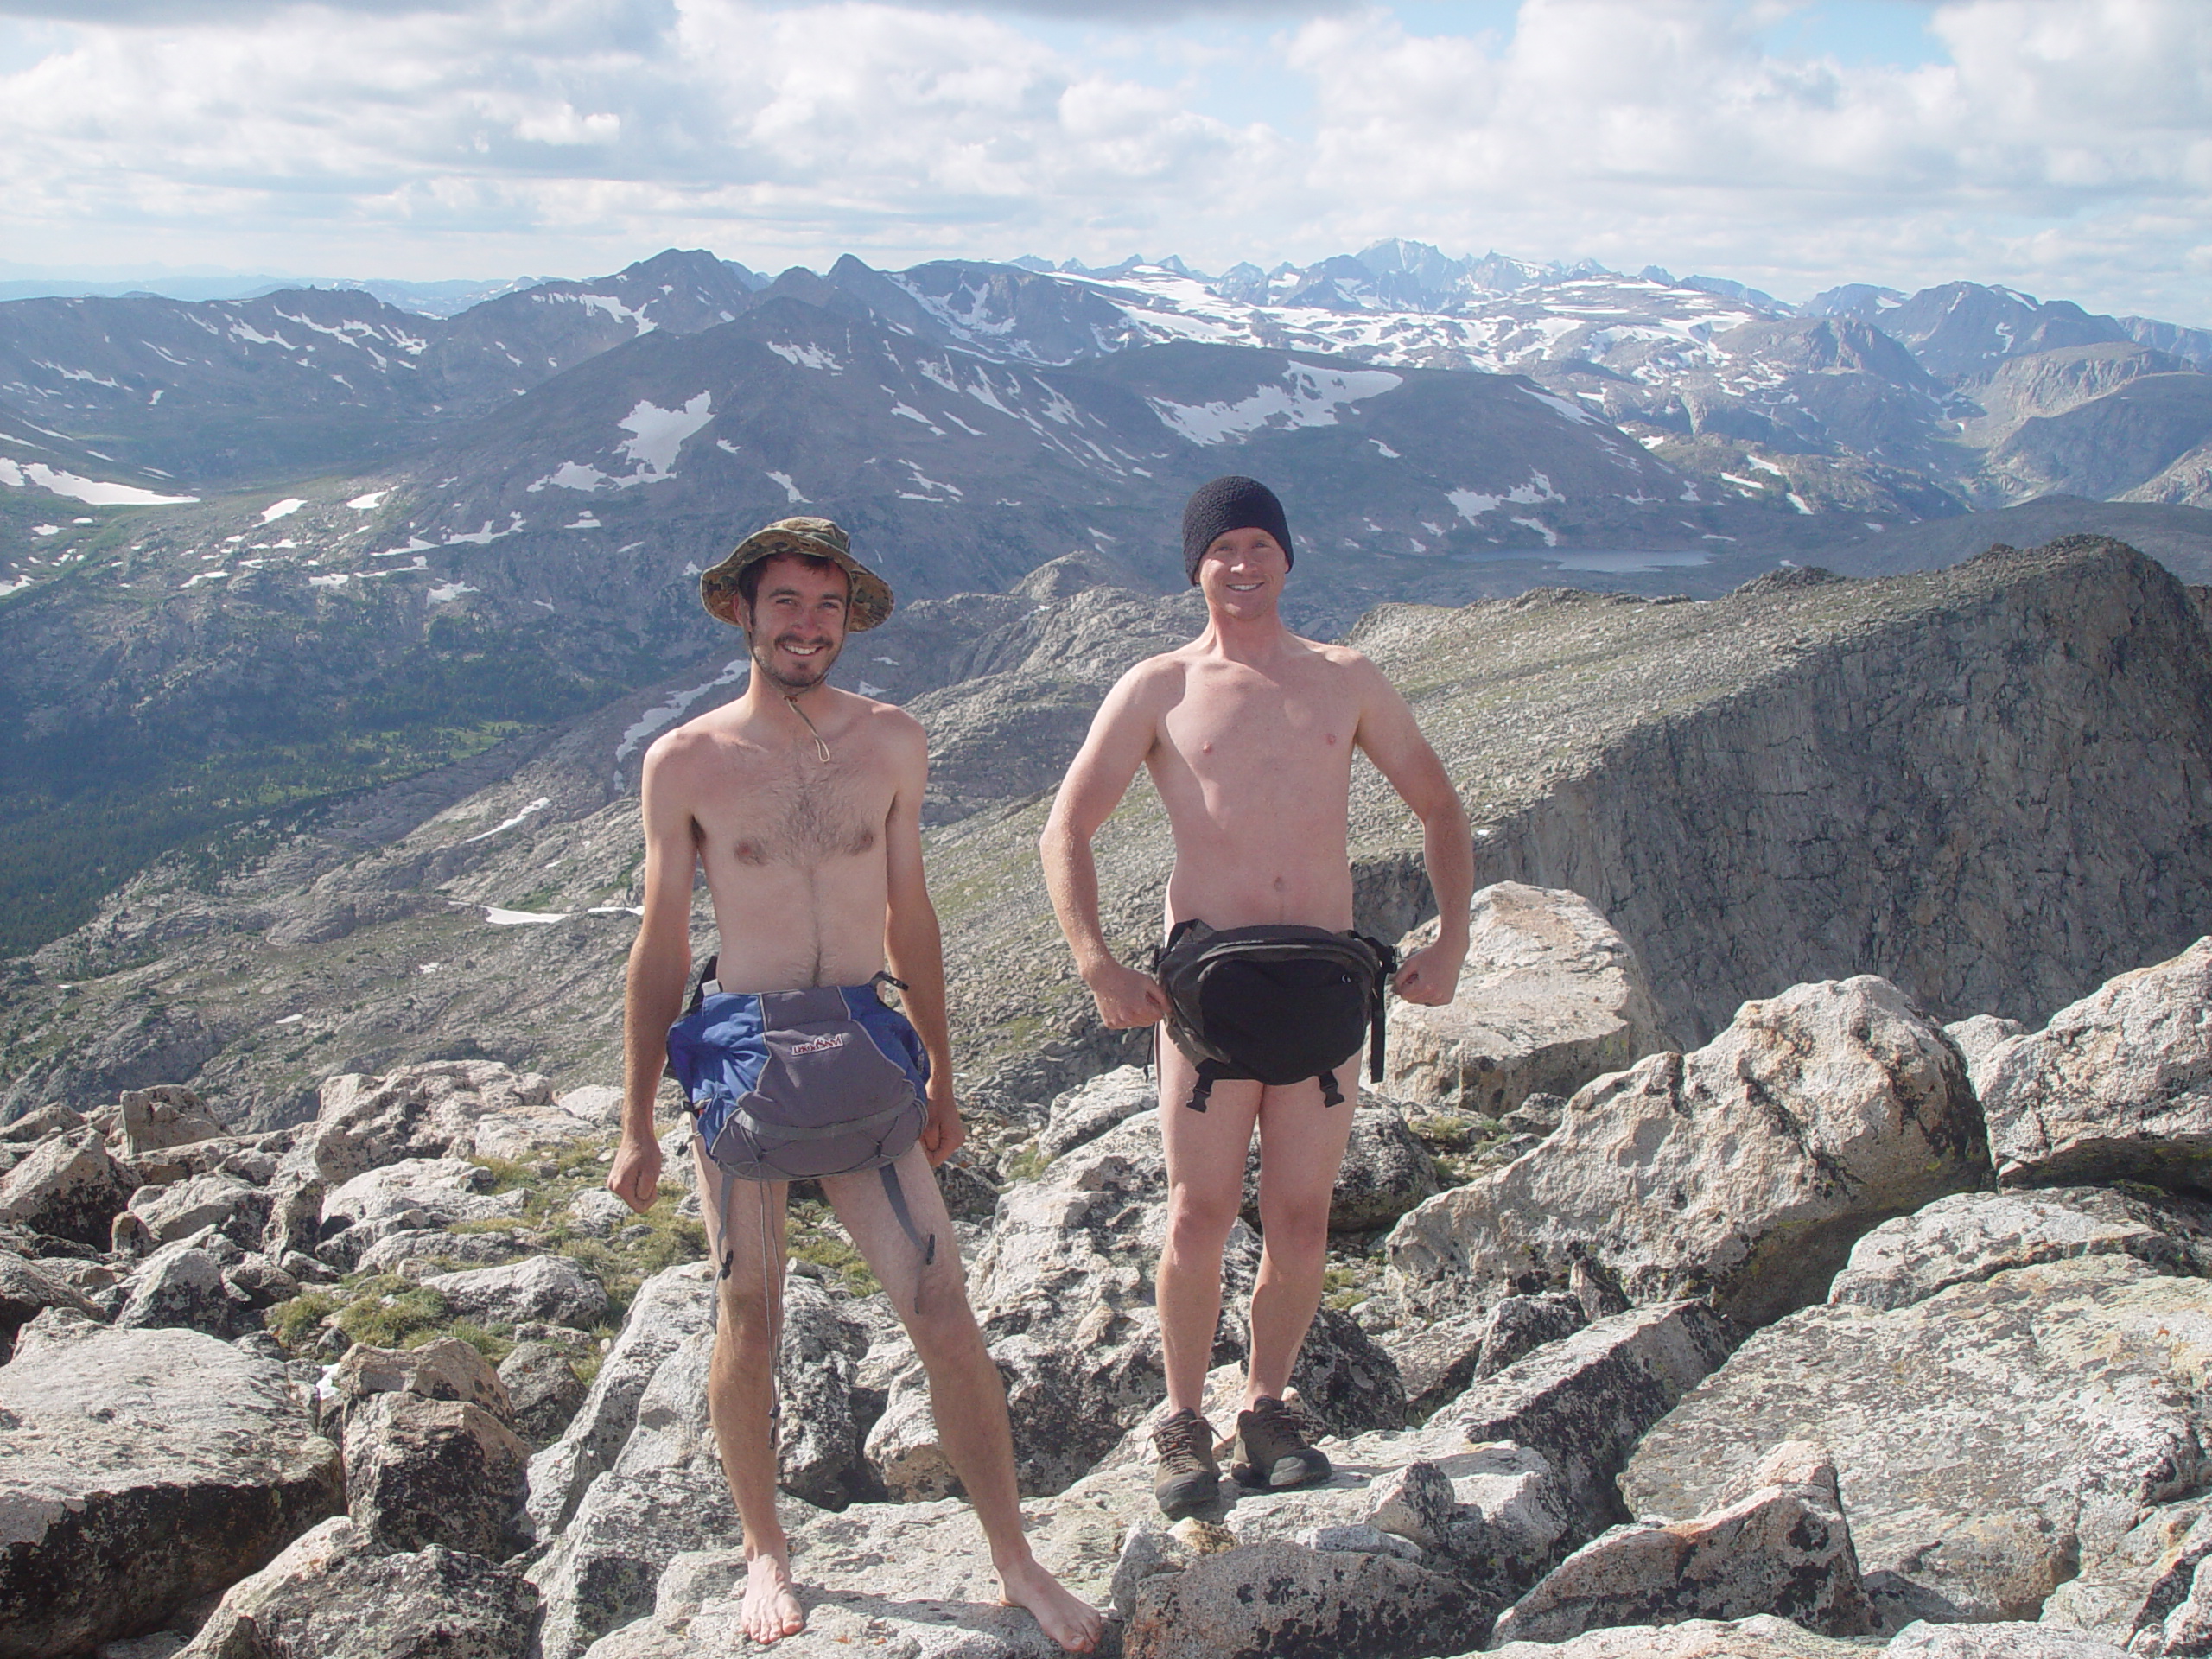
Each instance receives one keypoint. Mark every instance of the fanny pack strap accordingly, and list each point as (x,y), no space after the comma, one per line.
(771,1295)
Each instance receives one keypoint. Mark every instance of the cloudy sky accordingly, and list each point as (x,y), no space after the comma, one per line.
(2060,146)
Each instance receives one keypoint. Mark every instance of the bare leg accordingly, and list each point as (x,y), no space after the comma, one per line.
(1301,1145)
(1205,1188)
(967,1397)
(739,1380)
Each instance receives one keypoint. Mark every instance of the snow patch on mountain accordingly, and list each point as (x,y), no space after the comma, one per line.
(659,434)
(806,356)
(93,493)
(1471,504)
(662,713)
(656,435)
(1311,396)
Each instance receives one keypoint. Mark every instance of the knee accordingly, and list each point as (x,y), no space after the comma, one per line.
(1295,1227)
(940,1321)
(1198,1222)
(746,1321)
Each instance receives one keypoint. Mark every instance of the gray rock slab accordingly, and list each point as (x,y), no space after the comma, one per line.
(36,1126)
(1086,1112)
(1992,1441)
(1965,1237)
(181,1285)
(1586,1402)
(1519,1326)
(335,1595)
(440,1191)
(1278,1598)
(2118,1085)
(910,1579)
(1744,1171)
(434,1471)
(410,1252)
(1978,1038)
(68,1187)
(669,1307)
(823,1429)
(27,1290)
(2006,1640)
(541,1380)
(550,1288)
(2130,1595)
(664,1495)
(1436,1358)
(139,1470)
(1551,996)
(441,1109)
(181,1209)
(1761,1637)
(1784,1550)
(166,1115)
(447,1369)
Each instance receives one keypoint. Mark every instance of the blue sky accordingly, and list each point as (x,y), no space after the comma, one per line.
(2060,146)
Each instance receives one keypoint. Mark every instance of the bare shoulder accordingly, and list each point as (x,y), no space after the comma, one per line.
(684,749)
(890,725)
(1349,667)
(1157,678)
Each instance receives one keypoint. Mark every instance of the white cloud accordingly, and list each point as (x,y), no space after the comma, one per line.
(2059,145)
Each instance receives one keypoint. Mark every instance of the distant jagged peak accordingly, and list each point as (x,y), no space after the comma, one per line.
(1726,288)
(1862,300)
(1170,263)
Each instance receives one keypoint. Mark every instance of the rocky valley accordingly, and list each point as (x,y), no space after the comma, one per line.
(1791,1240)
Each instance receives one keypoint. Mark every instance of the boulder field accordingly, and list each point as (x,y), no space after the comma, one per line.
(1846,1332)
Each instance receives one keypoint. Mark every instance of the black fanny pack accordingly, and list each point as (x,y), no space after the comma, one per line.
(1277,1003)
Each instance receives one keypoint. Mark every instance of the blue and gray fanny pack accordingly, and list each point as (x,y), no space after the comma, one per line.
(793,1085)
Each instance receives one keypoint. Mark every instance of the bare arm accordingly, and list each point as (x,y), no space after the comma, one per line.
(912,945)
(1393,741)
(1120,736)
(660,962)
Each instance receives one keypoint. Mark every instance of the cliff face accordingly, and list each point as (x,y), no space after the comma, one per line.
(1992,784)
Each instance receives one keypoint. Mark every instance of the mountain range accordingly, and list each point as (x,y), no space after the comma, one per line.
(257,555)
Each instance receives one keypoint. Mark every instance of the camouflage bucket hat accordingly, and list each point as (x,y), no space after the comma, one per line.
(814,537)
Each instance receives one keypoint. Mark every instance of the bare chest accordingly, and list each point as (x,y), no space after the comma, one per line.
(1238,724)
(794,811)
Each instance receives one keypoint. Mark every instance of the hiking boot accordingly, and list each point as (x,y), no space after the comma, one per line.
(1189,1479)
(1271,1452)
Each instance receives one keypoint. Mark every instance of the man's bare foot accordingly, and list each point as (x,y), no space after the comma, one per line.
(1074,1624)
(771,1611)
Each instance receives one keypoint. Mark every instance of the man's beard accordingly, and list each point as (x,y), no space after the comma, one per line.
(783,685)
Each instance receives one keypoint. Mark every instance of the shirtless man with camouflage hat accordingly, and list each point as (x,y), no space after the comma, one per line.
(802,802)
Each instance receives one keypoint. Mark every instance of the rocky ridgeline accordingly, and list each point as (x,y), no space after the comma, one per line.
(1845,1332)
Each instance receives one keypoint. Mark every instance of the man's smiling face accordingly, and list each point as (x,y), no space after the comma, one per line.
(1242,574)
(796,622)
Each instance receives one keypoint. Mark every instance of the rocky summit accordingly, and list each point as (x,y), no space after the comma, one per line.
(1793,1238)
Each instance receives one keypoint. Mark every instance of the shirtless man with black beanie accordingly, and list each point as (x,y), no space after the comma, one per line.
(1248,733)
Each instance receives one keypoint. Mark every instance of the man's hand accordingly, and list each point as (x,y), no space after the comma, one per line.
(1126,998)
(943,1135)
(1431,974)
(635,1176)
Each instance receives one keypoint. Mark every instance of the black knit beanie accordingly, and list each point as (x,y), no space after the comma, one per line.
(1228,503)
